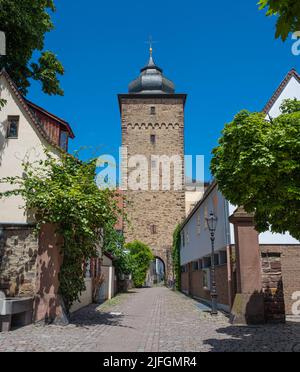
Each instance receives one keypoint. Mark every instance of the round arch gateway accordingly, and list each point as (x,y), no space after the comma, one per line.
(157,272)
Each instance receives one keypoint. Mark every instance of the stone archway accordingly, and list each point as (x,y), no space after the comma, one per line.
(160,270)
(157,274)
(165,255)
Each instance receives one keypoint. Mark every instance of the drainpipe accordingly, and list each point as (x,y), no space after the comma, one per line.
(110,279)
(228,252)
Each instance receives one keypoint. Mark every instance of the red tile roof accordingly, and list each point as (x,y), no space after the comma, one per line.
(60,121)
(30,108)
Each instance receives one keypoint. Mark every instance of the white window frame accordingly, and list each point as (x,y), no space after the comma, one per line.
(207,276)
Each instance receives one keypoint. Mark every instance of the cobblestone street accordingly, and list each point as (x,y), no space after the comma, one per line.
(151,320)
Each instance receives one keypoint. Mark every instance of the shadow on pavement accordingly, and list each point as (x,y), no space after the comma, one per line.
(90,316)
(267,338)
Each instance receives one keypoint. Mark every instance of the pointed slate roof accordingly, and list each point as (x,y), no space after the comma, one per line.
(151,80)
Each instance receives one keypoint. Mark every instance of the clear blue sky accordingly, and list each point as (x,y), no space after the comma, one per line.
(221,53)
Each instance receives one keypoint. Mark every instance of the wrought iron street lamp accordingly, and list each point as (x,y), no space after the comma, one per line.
(212,225)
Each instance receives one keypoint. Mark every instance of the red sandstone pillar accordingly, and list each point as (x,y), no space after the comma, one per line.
(47,304)
(248,307)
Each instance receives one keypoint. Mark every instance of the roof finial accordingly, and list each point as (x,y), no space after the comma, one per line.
(151,42)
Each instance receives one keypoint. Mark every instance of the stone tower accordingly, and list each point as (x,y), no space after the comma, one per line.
(153,125)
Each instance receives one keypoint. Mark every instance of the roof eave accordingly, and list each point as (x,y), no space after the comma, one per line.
(121,96)
(292,73)
(200,202)
(52,116)
(25,106)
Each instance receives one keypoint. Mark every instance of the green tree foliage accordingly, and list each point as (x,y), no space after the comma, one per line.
(63,192)
(288,12)
(141,258)
(114,244)
(2,103)
(290,105)
(25,23)
(257,165)
(176,256)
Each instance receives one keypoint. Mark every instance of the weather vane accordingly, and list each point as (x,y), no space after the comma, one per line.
(151,42)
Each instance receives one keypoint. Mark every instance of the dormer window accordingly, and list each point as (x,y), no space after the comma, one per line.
(63,140)
(13,126)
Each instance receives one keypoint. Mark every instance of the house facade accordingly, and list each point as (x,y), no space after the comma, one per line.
(29,265)
(109,287)
(196,247)
(26,130)
(278,255)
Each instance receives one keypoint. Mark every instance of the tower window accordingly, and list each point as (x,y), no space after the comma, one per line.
(153,229)
(13,127)
(152,110)
(153,139)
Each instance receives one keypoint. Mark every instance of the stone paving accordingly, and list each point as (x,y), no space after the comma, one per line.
(151,320)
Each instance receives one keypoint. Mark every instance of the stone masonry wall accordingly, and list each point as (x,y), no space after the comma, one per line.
(222,284)
(273,287)
(18,254)
(192,282)
(164,209)
(290,268)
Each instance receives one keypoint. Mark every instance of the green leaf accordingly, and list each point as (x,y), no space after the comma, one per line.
(26,23)
(257,166)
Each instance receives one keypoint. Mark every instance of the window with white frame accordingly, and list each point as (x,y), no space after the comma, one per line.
(13,127)
(183,239)
(184,268)
(206,215)
(206,279)
(195,265)
(223,258)
(187,236)
(200,264)
(206,262)
(63,140)
(88,273)
(216,259)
